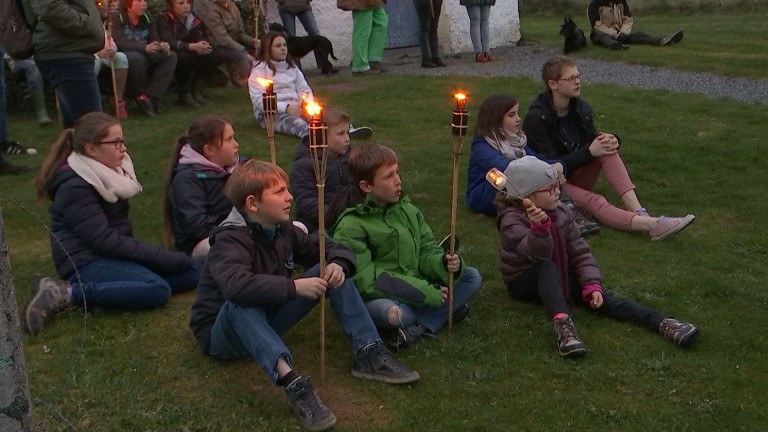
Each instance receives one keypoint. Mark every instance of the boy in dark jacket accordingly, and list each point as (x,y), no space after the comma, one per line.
(247,297)
(544,258)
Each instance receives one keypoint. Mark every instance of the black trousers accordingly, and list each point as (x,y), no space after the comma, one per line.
(428,12)
(150,73)
(541,283)
(192,66)
(634,38)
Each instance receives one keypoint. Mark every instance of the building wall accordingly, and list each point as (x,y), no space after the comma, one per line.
(336,25)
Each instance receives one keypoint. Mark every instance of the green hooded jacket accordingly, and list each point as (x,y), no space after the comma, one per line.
(397,256)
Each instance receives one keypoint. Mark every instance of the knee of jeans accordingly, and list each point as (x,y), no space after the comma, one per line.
(395,315)
(158,295)
(472,278)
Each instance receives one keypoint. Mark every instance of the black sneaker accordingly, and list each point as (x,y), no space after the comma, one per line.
(403,338)
(671,39)
(375,362)
(568,342)
(49,297)
(7,168)
(13,147)
(308,407)
(679,332)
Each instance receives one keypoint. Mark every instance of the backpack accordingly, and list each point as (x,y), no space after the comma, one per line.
(15,33)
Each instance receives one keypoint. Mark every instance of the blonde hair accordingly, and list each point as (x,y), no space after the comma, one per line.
(252,177)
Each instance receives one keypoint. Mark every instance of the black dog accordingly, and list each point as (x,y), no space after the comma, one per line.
(299,46)
(573,36)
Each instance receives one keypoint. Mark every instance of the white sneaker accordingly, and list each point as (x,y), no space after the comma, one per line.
(363,132)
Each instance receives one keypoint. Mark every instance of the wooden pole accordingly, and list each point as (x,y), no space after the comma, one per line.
(459,126)
(15,408)
(112,71)
(269,104)
(256,13)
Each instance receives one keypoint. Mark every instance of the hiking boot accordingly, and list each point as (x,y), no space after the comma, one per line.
(584,220)
(568,342)
(679,332)
(671,39)
(308,407)
(13,147)
(403,338)
(428,64)
(378,66)
(49,297)
(361,133)
(667,226)
(146,105)
(7,168)
(375,362)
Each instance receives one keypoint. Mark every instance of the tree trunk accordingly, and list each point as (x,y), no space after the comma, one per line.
(15,409)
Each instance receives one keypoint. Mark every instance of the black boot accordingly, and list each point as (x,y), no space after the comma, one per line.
(197,89)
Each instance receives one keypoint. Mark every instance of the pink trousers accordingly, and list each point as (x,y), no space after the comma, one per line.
(581,182)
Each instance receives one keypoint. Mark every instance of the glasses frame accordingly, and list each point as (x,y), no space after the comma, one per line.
(573,79)
(117,142)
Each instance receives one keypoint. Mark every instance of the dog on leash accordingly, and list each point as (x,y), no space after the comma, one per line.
(573,36)
(300,46)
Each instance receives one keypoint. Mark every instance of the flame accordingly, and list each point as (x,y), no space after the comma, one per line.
(496,177)
(460,96)
(313,108)
(264,82)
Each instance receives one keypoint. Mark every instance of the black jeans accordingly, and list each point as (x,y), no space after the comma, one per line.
(542,283)
(635,38)
(150,73)
(428,12)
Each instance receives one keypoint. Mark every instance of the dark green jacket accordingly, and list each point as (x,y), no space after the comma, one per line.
(397,256)
(64,28)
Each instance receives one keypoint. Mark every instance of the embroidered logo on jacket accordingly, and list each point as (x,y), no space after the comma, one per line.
(289,262)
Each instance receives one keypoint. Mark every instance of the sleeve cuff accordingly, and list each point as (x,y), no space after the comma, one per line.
(588,289)
(541,228)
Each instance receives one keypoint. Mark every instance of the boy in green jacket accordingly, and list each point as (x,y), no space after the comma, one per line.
(402,272)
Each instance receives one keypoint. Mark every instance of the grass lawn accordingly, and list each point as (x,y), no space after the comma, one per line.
(499,370)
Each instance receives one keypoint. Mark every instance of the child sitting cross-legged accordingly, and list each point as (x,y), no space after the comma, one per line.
(247,297)
(545,259)
(402,272)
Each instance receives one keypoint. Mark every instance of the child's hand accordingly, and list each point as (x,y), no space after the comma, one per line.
(597,299)
(536,215)
(334,275)
(312,287)
(444,293)
(452,262)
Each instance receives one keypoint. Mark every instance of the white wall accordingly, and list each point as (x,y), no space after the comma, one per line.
(336,25)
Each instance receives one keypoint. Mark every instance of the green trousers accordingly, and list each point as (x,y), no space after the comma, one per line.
(369,36)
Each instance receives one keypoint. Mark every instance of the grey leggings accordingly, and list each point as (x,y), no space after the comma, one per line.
(478,27)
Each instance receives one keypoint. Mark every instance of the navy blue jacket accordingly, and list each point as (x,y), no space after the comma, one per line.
(198,204)
(304,185)
(87,227)
(248,268)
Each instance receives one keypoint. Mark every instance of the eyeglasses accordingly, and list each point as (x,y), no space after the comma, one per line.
(571,80)
(552,189)
(117,142)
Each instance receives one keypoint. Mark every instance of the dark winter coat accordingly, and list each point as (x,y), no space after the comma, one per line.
(522,246)
(130,37)
(85,227)
(198,204)
(64,28)
(245,267)
(303,184)
(170,29)
(610,17)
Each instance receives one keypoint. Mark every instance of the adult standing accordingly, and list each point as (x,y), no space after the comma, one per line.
(5,166)
(289,10)
(429,16)
(67,34)
(228,37)
(479,12)
(369,34)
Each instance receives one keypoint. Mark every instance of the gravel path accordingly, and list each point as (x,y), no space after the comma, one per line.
(527,59)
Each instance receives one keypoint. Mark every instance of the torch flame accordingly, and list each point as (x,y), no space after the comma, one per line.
(460,96)
(264,82)
(496,178)
(313,108)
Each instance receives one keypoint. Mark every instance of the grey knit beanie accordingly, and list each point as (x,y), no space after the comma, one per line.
(529,174)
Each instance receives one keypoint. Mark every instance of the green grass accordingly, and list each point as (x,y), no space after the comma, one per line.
(724,43)
(498,371)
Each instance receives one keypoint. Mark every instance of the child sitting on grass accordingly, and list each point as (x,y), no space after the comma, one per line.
(544,258)
(247,297)
(402,272)
(337,181)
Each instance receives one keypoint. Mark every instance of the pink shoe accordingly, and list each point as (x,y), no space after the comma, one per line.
(121,111)
(668,226)
(480,57)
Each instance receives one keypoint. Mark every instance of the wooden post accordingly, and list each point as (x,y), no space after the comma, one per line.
(15,408)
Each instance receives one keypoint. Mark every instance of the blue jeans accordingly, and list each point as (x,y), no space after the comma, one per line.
(254,331)
(432,318)
(75,84)
(478,27)
(307,19)
(120,284)
(31,73)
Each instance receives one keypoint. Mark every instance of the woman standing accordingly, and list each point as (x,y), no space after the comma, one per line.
(479,15)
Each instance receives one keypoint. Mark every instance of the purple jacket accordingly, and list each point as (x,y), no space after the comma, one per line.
(522,246)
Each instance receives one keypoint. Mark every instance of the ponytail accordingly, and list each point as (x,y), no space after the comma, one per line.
(167,216)
(58,153)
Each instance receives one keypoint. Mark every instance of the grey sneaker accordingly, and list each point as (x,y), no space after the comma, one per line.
(375,362)
(308,407)
(669,226)
(679,332)
(49,297)
(403,338)
(671,39)
(584,220)
(568,341)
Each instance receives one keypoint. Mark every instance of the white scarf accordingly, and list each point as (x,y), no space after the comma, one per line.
(511,145)
(111,184)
